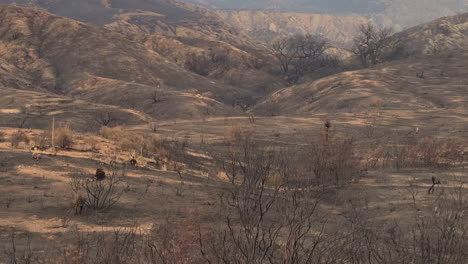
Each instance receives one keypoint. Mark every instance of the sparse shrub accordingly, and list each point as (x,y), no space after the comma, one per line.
(334,160)
(158,95)
(14,253)
(113,133)
(199,64)
(261,206)
(64,137)
(43,140)
(153,126)
(254,62)
(105,118)
(133,143)
(203,64)
(8,201)
(92,143)
(174,241)
(427,152)
(18,137)
(436,236)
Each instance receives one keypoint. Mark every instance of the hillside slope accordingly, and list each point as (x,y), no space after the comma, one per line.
(432,80)
(44,52)
(268,25)
(194,30)
(167,17)
(393,87)
(441,36)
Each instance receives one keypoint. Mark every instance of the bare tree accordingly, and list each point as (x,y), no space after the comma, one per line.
(158,95)
(105,118)
(300,54)
(266,220)
(23,116)
(370,43)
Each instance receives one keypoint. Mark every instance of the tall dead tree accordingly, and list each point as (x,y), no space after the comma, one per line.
(105,118)
(370,43)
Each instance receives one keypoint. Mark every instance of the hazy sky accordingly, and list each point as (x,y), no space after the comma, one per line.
(336,6)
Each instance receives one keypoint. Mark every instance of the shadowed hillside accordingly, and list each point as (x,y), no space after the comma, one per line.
(198,33)
(44,52)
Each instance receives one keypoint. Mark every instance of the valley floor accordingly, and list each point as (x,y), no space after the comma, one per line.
(37,201)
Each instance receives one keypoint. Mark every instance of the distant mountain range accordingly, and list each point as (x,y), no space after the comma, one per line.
(397,13)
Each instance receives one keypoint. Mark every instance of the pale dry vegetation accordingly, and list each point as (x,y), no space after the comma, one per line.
(272,206)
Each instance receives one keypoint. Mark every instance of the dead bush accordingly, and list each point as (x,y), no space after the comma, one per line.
(19,137)
(199,64)
(92,143)
(113,133)
(99,194)
(334,160)
(64,137)
(14,253)
(133,143)
(427,152)
(2,136)
(170,154)
(43,140)
(105,118)
(120,246)
(436,235)
(214,61)
(174,241)
(264,219)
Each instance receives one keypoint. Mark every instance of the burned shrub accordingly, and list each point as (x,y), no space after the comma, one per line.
(199,64)
(64,137)
(101,192)
(42,141)
(100,174)
(427,152)
(19,137)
